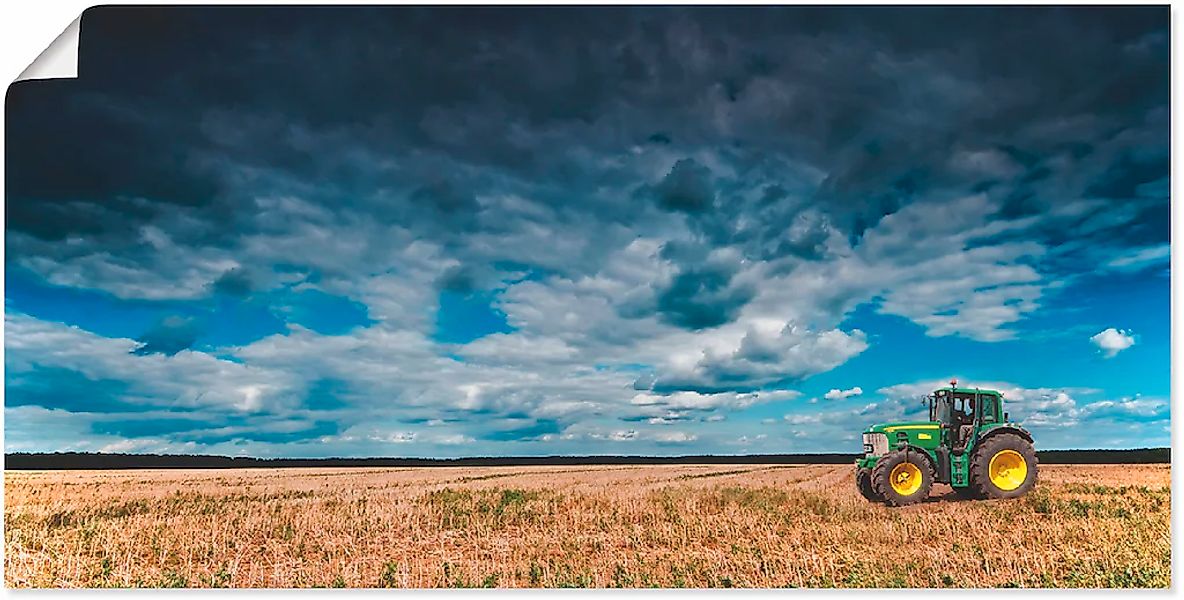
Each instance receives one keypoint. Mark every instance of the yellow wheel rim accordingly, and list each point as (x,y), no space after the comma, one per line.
(905,479)
(1008,470)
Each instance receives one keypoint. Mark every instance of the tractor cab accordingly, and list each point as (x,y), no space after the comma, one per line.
(968,442)
(962,412)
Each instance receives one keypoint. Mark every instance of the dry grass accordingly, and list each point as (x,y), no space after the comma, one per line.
(663,526)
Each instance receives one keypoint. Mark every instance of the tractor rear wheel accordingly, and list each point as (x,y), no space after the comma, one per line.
(1003,466)
(863,481)
(902,478)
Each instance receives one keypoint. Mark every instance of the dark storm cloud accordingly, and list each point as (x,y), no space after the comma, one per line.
(686,188)
(93,164)
(1126,177)
(874,98)
(234,282)
(703,297)
(458,279)
(466,279)
(445,197)
(702,293)
(659,138)
(169,336)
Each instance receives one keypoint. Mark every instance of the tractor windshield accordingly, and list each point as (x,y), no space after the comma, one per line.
(958,408)
(939,407)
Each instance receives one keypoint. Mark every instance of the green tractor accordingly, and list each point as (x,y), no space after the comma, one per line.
(968,443)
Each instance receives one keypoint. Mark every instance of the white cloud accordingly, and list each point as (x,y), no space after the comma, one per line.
(623,435)
(453,439)
(1111,341)
(837,394)
(1136,407)
(675,437)
(189,379)
(682,401)
(1138,258)
(765,351)
(395,437)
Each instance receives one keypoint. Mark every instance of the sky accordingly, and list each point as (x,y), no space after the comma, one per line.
(444,232)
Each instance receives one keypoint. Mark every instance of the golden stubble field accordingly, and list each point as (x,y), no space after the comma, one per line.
(586,526)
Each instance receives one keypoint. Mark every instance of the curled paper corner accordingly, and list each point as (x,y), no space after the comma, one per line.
(59,60)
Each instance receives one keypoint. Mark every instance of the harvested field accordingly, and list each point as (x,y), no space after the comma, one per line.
(611,526)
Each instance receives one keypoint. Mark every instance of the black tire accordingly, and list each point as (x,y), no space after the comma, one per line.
(980,465)
(883,469)
(863,481)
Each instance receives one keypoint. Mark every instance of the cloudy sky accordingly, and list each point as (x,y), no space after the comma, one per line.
(448,232)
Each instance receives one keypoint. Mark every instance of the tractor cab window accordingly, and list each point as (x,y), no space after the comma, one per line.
(990,408)
(939,407)
(963,408)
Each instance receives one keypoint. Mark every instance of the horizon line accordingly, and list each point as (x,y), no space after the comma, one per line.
(18,461)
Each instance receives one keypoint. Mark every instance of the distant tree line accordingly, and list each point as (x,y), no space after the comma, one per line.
(87,460)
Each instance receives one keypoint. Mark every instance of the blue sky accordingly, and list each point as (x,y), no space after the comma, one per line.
(457,232)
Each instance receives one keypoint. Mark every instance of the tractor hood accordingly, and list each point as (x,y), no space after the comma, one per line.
(919,434)
(903,426)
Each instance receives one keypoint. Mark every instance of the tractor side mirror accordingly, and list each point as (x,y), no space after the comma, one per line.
(1006,419)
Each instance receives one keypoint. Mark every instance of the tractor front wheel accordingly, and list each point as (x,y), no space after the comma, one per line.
(863,481)
(1003,466)
(902,478)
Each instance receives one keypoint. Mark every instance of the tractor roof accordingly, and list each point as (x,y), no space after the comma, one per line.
(962,390)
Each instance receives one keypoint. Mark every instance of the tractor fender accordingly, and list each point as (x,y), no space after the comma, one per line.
(1006,428)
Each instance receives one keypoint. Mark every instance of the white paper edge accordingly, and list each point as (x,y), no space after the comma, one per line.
(59,60)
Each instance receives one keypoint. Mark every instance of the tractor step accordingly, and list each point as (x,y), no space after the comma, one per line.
(957,469)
